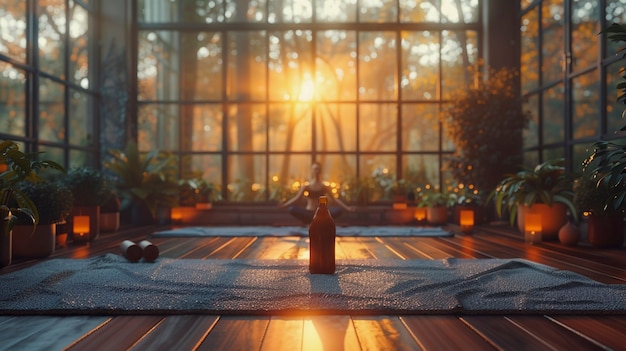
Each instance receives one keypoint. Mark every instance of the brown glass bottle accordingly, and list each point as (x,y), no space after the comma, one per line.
(322,240)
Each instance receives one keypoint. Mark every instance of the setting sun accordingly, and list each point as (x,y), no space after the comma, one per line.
(307,89)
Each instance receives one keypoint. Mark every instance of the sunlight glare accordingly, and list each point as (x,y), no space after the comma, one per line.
(307,89)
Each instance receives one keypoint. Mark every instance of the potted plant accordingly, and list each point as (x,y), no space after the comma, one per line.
(145,182)
(437,205)
(89,187)
(54,203)
(485,122)
(605,224)
(204,193)
(546,189)
(20,167)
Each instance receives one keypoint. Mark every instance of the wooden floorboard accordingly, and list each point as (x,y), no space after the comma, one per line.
(333,332)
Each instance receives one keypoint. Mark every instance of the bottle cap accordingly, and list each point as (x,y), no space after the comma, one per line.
(322,200)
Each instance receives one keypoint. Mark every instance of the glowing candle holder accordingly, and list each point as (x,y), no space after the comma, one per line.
(532,228)
(466,221)
(176,215)
(81,228)
(419,214)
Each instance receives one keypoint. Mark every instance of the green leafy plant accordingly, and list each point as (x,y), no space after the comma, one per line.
(149,178)
(547,183)
(22,167)
(53,201)
(88,185)
(591,196)
(435,198)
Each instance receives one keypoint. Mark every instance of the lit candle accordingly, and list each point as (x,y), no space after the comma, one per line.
(532,228)
(466,220)
(420,213)
(81,228)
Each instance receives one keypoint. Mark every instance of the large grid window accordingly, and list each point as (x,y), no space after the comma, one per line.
(568,75)
(251,92)
(47,96)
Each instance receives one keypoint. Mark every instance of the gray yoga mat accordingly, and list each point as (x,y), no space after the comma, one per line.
(111,285)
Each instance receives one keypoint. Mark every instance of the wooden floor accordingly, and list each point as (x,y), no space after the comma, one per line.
(335,332)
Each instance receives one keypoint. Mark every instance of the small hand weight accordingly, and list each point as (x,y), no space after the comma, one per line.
(131,251)
(150,251)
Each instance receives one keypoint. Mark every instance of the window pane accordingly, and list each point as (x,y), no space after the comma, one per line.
(552,49)
(201,127)
(209,165)
(585,29)
(459,50)
(51,36)
(379,173)
(335,11)
(12,100)
(157,10)
(290,66)
(420,170)
(531,132)
(246,11)
(380,11)
(615,13)
(79,40)
(247,128)
(50,153)
(420,127)
(377,66)
(247,178)
(79,158)
(291,11)
(530,55)
(157,66)
(51,111)
(335,127)
(420,65)
(288,173)
(378,127)
(158,127)
(247,66)
(585,105)
(81,121)
(426,11)
(336,65)
(290,127)
(450,11)
(553,115)
(13,29)
(201,66)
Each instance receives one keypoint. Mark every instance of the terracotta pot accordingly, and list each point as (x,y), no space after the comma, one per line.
(437,215)
(552,218)
(36,243)
(605,230)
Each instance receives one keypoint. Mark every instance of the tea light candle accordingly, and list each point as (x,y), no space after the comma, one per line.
(81,228)
(466,221)
(420,213)
(532,228)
